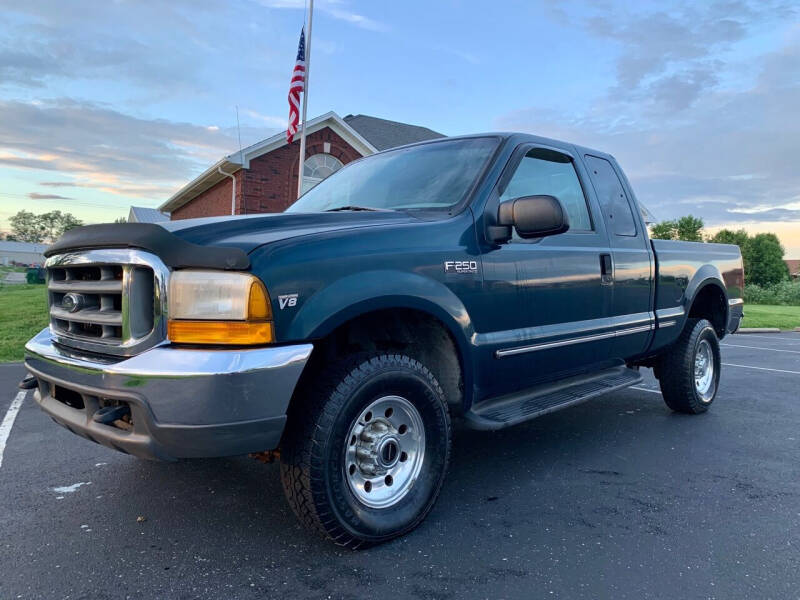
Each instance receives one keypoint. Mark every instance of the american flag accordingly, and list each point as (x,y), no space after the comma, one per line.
(296,86)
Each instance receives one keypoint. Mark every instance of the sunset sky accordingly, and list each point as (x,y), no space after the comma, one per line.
(111,103)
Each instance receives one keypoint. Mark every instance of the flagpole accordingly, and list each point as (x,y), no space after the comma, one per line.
(305,102)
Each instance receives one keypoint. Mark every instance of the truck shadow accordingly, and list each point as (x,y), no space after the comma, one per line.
(492,474)
(572,479)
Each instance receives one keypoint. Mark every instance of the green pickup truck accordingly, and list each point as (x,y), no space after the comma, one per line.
(490,278)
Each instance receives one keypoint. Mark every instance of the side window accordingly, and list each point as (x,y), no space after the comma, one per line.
(611,195)
(545,172)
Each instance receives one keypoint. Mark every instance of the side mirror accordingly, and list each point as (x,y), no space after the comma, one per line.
(533,216)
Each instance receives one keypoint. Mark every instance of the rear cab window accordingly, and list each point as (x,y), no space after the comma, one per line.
(614,202)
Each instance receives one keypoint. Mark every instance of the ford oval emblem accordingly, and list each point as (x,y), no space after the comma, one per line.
(72,302)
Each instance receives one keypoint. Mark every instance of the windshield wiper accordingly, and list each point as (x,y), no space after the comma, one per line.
(354,208)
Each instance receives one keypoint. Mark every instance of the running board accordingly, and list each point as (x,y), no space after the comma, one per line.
(505,411)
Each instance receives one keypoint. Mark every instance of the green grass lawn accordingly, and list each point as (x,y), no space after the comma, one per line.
(765,315)
(23,313)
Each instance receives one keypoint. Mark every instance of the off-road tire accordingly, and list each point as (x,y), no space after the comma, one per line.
(676,368)
(312,450)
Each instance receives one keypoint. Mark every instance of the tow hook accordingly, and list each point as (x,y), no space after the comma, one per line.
(28,383)
(109,414)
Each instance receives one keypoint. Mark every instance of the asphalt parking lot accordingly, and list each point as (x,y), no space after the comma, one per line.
(614,498)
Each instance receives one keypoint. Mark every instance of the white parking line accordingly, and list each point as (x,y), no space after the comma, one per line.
(762,368)
(759,348)
(641,389)
(8,421)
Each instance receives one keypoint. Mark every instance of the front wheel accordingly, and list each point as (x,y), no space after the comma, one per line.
(689,371)
(367,448)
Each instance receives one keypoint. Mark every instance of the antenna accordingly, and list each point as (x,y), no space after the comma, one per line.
(239,133)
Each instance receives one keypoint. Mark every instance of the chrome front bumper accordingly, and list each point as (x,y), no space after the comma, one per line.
(184,403)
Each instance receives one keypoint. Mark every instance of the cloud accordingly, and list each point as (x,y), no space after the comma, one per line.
(32,54)
(151,50)
(105,149)
(335,8)
(669,55)
(728,155)
(38,196)
(272,121)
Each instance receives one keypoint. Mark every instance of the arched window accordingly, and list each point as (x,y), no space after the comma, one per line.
(318,167)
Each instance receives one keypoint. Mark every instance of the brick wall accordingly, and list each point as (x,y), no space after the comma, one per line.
(270,184)
(215,201)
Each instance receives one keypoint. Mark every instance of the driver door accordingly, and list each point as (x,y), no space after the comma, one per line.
(562,302)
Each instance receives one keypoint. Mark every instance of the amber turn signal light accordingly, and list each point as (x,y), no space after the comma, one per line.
(236,333)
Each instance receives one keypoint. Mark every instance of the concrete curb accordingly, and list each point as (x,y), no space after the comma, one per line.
(759,330)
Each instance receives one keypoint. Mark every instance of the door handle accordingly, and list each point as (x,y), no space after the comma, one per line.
(606,270)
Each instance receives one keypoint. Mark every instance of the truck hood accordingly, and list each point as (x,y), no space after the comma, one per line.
(251,231)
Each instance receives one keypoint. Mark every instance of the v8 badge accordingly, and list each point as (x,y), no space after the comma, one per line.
(287,300)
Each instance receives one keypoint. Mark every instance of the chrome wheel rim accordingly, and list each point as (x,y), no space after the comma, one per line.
(384,450)
(704,381)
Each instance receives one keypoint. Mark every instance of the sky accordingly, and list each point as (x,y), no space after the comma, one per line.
(111,103)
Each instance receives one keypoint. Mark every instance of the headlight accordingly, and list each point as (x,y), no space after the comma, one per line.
(218,307)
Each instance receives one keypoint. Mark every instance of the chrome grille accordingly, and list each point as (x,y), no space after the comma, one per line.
(107,301)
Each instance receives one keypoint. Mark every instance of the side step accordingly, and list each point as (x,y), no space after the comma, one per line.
(505,411)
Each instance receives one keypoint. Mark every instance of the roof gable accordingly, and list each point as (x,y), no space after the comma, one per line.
(237,160)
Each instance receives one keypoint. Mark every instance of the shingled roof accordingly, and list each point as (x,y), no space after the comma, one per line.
(384,134)
(142,214)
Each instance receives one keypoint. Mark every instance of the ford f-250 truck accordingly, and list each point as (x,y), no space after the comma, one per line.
(494,278)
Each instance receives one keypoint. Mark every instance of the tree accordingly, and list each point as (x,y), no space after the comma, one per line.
(764,260)
(739,238)
(26,227)
(120,220)
(665,230)
(762,255)
(688,229)
(46,227)
(726,236)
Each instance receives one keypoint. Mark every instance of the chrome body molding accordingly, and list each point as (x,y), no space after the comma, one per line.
(132,341)
(670,313)
(573,340)
(664,324)
(184,402)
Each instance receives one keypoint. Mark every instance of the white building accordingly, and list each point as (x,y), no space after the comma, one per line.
(21,253)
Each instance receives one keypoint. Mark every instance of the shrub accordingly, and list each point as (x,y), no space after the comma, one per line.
(784,292)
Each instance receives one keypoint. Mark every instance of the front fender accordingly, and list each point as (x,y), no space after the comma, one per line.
(369,291)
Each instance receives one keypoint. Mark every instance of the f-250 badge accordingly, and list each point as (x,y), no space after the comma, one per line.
(461,266)
(287,300)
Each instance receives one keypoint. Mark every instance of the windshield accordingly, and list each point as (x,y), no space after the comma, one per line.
(427,176)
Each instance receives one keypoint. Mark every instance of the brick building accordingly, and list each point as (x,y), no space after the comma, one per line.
(794,267)
(263,177)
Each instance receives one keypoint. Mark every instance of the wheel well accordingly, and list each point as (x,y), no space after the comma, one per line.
(411,332)
(710,303)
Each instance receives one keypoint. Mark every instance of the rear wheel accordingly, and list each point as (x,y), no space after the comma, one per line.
(367,448)
(689,372)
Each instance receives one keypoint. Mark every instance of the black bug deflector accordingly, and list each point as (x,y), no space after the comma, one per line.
(175,252)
